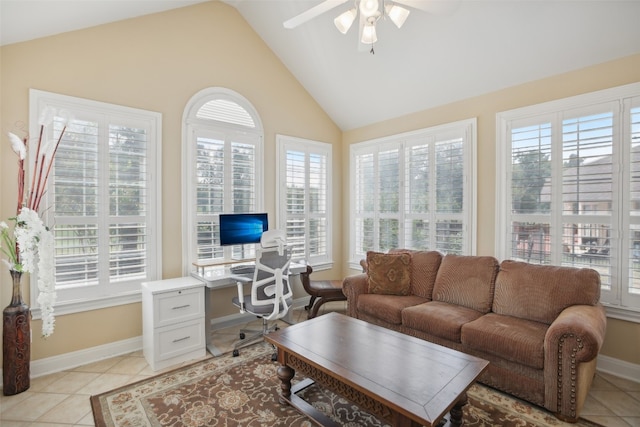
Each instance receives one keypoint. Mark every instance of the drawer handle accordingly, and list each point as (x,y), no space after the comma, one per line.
(181,339)
(180,307)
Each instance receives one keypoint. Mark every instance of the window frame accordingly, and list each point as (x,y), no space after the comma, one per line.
(619,302)
(191,125)
(309,147)
(465,129)
(103,295)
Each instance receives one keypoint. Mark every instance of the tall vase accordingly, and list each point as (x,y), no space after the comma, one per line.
(16,341)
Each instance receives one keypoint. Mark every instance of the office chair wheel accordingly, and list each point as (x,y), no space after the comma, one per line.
(277,328)
(236,353)
(242,335)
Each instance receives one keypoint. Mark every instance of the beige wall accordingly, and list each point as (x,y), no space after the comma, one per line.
(622,337)
(156,63)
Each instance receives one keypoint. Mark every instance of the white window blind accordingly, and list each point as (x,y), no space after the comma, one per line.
(415,191)
(222,165)
(304,210)
(102,200)
(571,175)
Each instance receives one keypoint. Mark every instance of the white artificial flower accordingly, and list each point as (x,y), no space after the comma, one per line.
(17,145)
(46,282)
(37,247)
(27,233)
(3,225)
(46,116)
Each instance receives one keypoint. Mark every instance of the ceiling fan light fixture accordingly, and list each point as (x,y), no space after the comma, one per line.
(344,21)
(397,14)
(369,34)
(369,8)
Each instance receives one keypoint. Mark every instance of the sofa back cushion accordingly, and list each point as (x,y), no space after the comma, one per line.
(540,292)
(467,281)
(424,268)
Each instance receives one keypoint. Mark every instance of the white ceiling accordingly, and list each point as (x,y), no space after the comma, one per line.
(433,60)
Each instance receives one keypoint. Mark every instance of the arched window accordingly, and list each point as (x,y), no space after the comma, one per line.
(222,171)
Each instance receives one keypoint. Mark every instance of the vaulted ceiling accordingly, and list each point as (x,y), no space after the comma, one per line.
(434,59)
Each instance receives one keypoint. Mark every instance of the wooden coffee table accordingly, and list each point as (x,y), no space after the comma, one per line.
(402,379)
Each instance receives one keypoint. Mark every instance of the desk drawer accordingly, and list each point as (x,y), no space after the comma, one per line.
(178,339)
(178,306)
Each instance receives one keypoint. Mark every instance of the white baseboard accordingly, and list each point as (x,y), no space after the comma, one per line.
(618,368)
(74,359)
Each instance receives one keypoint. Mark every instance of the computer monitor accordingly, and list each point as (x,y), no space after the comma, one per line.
(243,228)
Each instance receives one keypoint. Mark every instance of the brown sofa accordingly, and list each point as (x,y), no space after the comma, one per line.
(540,327)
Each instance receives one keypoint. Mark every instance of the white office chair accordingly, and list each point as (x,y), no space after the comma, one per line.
(271,295)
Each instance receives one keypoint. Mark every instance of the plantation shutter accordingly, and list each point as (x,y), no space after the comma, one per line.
(128,202)
(318,207)
(210,180)
(530,190)
(75,183)
(365,190)
(631,238)
(305,210)
(418,167)
(388,204)
(296,200)
(587,188)
(101,202)
(449,195)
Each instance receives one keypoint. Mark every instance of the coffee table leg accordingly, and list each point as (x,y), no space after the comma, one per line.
(285,373)
(456,411)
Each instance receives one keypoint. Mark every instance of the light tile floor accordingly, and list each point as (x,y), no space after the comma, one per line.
(62,399)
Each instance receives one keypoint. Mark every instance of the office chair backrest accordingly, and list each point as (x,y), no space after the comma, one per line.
(271,278)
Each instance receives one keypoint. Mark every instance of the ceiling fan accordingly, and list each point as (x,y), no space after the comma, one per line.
(370,12)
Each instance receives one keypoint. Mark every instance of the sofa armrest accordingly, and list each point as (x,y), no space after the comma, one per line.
(571,346)
(353,287)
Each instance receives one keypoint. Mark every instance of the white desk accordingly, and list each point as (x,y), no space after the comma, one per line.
(218,277)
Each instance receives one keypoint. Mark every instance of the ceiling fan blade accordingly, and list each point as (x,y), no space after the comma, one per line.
(436,7)
(309,14)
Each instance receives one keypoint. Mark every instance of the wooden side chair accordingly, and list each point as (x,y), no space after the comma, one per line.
(321,291)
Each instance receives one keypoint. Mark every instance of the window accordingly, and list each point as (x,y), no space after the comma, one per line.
(572,187)
(415,191)
(103,202)
(222,171)
(304,194)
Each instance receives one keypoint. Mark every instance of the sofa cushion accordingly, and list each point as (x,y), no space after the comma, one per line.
(518,340)
(467,281)
(389,274)
(541,292)
(439,318)
(424,268)
(387,307)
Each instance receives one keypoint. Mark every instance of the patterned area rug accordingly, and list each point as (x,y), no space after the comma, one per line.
(243,391)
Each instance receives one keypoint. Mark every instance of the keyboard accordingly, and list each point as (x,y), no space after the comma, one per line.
(243,269)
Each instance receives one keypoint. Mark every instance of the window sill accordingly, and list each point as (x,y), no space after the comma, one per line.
(328,265)
(627,314)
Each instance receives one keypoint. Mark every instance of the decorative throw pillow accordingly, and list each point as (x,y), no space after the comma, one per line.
(389,274)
